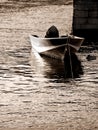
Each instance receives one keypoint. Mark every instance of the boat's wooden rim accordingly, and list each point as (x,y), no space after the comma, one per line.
(61,37)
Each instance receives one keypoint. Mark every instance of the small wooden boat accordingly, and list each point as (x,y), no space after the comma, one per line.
(55,47)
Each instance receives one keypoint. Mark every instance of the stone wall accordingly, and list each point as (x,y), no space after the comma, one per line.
(85,19)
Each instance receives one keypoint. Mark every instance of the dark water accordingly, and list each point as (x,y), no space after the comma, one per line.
(33,91)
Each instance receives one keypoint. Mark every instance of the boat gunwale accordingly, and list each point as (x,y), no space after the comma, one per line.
(56,38)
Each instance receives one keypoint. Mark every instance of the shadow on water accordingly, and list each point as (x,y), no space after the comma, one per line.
(48,67)
(52,68)
(56,68)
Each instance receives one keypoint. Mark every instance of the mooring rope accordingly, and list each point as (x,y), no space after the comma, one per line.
(68,47)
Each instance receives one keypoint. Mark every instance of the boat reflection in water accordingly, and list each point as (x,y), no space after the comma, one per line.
(72,65)
(69,67)
(47,68)
(62,49)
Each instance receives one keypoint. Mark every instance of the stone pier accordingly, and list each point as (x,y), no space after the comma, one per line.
(85,19)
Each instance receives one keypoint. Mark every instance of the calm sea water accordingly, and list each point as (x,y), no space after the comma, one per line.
(33,91)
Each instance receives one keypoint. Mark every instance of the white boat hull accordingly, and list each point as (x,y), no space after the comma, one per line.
(54,47)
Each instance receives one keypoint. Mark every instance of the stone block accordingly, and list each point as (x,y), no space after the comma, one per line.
(80,13)
(78,20)
(93,21)
(93,14)
(89,26)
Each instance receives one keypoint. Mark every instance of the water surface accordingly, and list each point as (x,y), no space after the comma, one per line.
(33,91)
